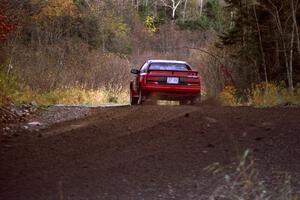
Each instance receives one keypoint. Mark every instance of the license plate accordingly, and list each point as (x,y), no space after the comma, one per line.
(173,80)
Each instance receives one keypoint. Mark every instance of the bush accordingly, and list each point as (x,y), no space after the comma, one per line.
(228,96)
(261,95)
(150,24)
(246,183)
(8,87)
(215,14)
(201,23)
(211,18)
(75,96)
(270,94)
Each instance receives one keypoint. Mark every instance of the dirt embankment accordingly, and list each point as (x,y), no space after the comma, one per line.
(152,152)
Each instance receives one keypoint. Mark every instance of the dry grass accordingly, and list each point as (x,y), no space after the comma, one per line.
(75,96)
(246,183)
(10,91)
(268,95)
(228,96)
(261,95)
(8,87)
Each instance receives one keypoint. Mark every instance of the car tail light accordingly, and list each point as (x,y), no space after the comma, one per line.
(152,79)
(190,80)
(193,80)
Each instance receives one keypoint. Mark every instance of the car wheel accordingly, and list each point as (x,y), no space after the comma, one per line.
(196,101)
(133,100)
(183,102)
(150,101)
(140,98)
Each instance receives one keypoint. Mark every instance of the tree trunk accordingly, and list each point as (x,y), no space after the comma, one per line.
(201,6)
(155,9)
(290,77)
(261,46)
(287,58)
(173,14)
(173,7)
(277,53)
(294,9)
(184,10)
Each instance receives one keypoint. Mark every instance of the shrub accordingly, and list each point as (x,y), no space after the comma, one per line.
(270,94)
(228,96)
(246,183)
(8,87)
(215,14)
(211,18)
(75,96)
(261,95)
(150,24)
(201,23)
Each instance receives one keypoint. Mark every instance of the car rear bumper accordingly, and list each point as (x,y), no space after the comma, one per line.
(170,92)
(195,89)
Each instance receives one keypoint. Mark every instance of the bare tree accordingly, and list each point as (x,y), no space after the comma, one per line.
(284,34)
(260,44)
(201,6)
(294,7)
(173,4)
(184,9)
(155,8)
(291,60)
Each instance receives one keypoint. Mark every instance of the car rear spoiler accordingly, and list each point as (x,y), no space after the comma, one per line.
(189,71)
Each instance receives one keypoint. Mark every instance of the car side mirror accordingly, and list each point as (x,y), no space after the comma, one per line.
(134,71)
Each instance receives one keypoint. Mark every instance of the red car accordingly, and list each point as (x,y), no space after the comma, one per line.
(165,80)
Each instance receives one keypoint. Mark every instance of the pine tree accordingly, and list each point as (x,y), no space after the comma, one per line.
(263,35)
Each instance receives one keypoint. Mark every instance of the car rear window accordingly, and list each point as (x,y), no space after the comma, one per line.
(169,66)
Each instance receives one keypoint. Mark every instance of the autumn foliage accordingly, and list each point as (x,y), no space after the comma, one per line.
(63,44)
(57,8)
(5,24)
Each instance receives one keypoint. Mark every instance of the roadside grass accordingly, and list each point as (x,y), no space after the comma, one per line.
(8,87)
(10,93)
(261,95)
(268,95)
(75,96)
(228,96)
(246,183)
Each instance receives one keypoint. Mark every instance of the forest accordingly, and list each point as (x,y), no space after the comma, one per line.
(74,126)
(81,51)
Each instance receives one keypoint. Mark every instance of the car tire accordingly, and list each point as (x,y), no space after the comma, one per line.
(183,102)
(140,98)
(133,100)
(196,101)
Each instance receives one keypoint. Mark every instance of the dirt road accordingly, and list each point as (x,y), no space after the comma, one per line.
(151,152)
